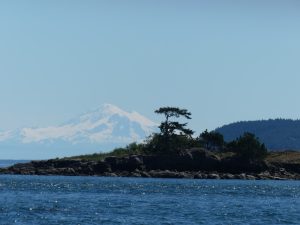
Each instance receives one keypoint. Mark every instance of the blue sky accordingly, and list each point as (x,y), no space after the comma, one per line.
(225,61)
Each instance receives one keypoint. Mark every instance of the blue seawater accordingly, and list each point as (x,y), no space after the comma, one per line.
(7,163)
(97,200)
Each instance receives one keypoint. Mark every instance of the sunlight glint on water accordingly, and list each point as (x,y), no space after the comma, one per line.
(95,200)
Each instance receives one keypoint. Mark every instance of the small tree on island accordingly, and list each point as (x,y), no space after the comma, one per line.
(212,140)
(248,147)
(173,134)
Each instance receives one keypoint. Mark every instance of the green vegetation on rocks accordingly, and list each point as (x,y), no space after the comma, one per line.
(175,153)
(276,134)
(174,137)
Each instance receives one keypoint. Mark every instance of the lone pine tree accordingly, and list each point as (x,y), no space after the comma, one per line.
(170,130)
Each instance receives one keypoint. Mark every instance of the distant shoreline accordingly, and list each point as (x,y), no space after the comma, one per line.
(10,162)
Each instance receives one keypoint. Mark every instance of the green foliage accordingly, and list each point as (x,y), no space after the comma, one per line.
(212,140)
(168,127)
(277,134)
(173,135)
(173,112)
(155,144)
(131,149)
(249,147)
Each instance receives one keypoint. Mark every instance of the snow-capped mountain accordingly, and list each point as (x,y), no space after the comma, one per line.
(99,130)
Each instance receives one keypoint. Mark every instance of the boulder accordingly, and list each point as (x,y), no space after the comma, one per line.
(100,167)
(110,175)
(213,176)
(198,176)
(227,176)
(204,160)
(250,177)
(22,168)
(241,176)
(145,174)
(129,163)
(287,167)
(135,174)
(189,160)
(237,165)
(167,174)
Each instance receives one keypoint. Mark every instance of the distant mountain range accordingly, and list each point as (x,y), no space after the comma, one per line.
(277,134)
(100,130)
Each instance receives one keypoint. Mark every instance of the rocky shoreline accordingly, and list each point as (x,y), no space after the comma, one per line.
(190,164)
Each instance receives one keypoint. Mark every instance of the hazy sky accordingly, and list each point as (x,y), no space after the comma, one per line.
(225,61)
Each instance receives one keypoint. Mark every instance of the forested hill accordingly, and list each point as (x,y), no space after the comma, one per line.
(278,134)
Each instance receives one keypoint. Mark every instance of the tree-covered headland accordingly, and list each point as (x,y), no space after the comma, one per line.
(174,136)
(175,151)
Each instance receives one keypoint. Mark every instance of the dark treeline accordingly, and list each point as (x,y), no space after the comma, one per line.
(277,134)
(175,137)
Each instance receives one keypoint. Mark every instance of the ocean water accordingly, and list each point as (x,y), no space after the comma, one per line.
(7,163)
(96,200)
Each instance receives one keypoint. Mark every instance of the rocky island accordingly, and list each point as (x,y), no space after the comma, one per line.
(175,153)
(195,163)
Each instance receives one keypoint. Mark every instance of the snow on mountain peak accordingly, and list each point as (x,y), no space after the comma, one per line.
(109,110)
(109,123)
(102,129)
(133,116)
(5,135)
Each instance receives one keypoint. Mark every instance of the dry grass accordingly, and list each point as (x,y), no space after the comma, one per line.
(223,155)
(273,157)
(284,157)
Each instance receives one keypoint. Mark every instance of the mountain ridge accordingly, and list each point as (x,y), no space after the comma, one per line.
(277,134)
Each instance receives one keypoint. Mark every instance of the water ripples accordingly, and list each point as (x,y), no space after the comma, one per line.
(95,200)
